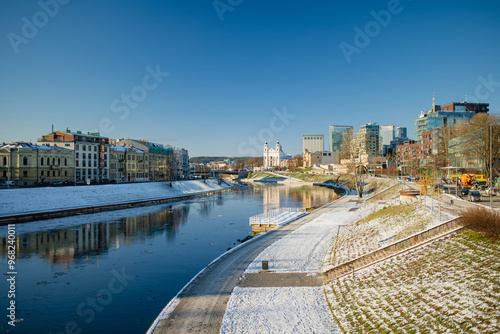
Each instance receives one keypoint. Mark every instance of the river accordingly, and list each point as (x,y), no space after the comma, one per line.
(113,272)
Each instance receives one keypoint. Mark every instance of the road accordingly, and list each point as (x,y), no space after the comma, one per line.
(203,302)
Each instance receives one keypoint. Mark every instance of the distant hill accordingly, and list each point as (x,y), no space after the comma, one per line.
(210,159)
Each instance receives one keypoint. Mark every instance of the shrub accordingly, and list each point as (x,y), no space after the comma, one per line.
(482,220)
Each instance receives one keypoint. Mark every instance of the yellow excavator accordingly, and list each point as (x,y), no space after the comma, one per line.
(467,180)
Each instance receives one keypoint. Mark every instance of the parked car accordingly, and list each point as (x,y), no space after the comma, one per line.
(56,184)
(104,181)
(491,192)
(43,184)
(81,183)
(464,192)
(481,185)
(474,196)
(94,181)
(112,181)
(69,183)
(7,183)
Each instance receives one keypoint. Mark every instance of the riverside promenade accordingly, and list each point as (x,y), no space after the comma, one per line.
(231,295)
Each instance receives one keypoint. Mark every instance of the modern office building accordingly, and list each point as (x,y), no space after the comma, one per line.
(368,139)
(447,115)
(387,133)
(336,132)
(401,132)
(313,143)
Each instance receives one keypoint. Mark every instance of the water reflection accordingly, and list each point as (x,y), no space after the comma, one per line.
(67,245)
(64,261)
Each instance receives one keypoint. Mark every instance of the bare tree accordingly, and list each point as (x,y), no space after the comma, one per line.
(479,139)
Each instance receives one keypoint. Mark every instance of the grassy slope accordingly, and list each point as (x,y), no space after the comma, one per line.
(447,286)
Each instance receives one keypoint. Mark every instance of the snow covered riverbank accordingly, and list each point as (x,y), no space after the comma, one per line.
(29,200)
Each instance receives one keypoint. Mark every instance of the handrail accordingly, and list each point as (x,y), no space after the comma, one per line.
(395,247)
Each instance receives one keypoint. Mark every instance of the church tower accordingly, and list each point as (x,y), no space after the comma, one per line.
(266,155)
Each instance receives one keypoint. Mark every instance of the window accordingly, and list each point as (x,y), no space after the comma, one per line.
(65,161)
(4,161)
(84,156)
(66,145)
(77,163)
(83,163)
(95,148)
(95,163)
(90,148)
(41,173)
(58,173)
(84,147)
(65,173)
(25,173)
(53,173)
(58,161)
(77,155)
(41,162)
(77,147)
(95,156)
(25,161)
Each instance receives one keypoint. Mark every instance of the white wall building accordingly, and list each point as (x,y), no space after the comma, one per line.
(274,156)
(313,143)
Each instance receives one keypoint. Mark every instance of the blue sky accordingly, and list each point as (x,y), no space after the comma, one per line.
(221,76)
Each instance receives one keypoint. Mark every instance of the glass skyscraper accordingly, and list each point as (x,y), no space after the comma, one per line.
(336,132)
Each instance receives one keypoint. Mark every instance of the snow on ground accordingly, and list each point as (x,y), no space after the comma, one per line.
(278,310)
(303,250)
(291,309)
(27,200)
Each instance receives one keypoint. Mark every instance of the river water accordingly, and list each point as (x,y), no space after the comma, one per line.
(113,272)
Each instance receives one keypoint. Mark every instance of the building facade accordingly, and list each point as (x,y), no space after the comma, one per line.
(160,158)
(273,157)
(128,164)
(401,132)
(336,132)
(447,115)
(368,139)
(27,164)
(313,142)
(319,158)
(387,133)
(91,152)
(181,163)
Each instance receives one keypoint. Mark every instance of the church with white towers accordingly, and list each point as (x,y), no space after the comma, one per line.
(274,157)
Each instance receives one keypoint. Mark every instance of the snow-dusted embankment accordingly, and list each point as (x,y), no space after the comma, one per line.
(29,200)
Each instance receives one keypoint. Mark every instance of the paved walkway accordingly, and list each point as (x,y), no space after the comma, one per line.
(201,305)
